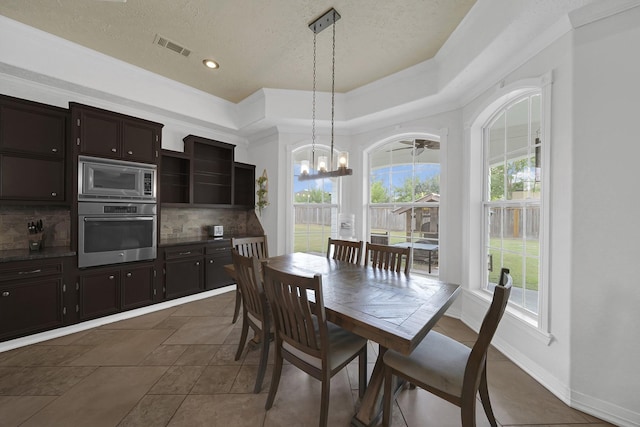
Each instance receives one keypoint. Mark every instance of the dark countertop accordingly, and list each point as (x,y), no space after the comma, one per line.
(176,241)
(26,254)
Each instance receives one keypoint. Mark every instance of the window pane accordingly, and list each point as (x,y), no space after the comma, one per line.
(406,173)
(512,204)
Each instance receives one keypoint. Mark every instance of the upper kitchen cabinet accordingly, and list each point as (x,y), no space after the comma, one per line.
(212,166)
(244,185)
(32,151)
(103,133)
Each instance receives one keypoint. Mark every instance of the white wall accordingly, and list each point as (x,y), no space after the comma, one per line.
(605,316)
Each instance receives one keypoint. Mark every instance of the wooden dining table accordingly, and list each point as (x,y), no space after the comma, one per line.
(395,310)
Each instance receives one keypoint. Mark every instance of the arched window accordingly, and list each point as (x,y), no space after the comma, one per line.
(404,198)
(513,145)
(315,205)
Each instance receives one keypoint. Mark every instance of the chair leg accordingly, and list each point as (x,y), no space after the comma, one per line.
(362,372)
(243,337)
(387,397)
(275,377)
(468,410)
(264,356)
(324,399)
(484,397)
(238,302)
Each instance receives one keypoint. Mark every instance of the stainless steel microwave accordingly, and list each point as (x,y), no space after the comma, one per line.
(111,180)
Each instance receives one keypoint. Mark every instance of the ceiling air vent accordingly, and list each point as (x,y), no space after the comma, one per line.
(164,42)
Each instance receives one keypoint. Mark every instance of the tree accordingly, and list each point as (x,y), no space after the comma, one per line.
(413,188)
(379,193)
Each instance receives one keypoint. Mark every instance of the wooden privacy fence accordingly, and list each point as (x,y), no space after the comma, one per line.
(515,221)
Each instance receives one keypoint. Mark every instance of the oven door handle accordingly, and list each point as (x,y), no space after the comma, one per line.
(119,219)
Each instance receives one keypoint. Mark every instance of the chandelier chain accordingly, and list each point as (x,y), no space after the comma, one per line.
(313,113)
(333,84)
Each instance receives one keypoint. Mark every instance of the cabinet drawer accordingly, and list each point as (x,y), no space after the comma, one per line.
(28,269)
(181,252)
(220,250)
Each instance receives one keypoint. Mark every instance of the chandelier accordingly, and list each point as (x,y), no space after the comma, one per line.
(324,167)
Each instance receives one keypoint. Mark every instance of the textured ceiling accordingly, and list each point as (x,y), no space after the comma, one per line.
(258,43)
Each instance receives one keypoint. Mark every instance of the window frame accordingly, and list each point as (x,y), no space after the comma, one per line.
(512,95)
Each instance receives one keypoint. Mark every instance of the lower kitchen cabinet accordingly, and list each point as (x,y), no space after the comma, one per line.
(184,270)
(138,287)
(99,293)
(217,256)
(31,297)
(108,290)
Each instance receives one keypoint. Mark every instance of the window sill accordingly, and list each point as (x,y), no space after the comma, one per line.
(525,323)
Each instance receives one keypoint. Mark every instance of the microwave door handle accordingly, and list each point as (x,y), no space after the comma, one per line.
(135,218)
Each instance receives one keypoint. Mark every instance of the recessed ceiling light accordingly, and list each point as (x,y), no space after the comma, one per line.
(210,63)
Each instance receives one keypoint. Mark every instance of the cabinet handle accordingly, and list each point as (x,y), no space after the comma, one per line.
(54,150)
(54,194)
(112,277)
(197,262)
(6,294)
(113,150)
(30,272)
(129,152)
(210,261)
(184,253)
(129,274)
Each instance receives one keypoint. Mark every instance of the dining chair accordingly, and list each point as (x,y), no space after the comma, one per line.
(255,312)
(305,338)
(248,246)
(449,369)
(387,257)
(345,250)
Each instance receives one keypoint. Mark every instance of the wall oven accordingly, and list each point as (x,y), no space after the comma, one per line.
(111,233)
(112,180)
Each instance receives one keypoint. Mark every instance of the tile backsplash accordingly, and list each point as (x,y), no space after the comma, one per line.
(13,225)
(193,222)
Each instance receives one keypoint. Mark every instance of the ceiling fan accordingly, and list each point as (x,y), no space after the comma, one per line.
(419,145)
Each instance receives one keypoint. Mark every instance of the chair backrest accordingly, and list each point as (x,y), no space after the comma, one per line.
(387,257)
(251,246)
(247,270)
(300,322)
(478,356)
(345,250)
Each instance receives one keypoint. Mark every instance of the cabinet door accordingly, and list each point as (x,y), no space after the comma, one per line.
(215,275)
(23,178)
(99,294)
(100,134)
(138,142)
(183,277)
(30,306)
(32,128)
(137,286)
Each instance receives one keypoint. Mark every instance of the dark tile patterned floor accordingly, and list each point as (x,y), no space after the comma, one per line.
(176,367)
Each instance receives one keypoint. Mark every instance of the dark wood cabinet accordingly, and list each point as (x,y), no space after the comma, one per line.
(138,287)
(31,179)
(175,169)
(99,293)
(32,151)
(108,290)
(244,185)
(31,297)
(216,257)
(184,270)
(103,133)
(205,174)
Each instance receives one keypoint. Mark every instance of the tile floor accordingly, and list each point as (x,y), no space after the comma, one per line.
(176,368)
